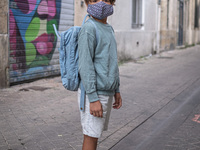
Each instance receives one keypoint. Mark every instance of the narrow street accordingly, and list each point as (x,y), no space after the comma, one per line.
(160,109)
(176,126)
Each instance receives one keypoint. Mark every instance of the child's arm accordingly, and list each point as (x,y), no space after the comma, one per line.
(118,101)
(96,109)
(86,47)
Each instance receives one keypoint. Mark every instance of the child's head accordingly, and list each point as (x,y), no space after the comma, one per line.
(112,2)
(100,9)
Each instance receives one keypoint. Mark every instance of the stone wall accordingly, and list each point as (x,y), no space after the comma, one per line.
(168,39)
(191,33)
(80,10)
(4,51)
(169,25)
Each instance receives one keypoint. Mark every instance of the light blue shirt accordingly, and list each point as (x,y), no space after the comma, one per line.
(98,63)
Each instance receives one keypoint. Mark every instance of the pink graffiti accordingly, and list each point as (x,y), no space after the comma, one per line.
(52,9)
(43,8)
(13,41)
(28,4)
(196,118)
(32,4)
(44,43)
(47,8)
(12,30)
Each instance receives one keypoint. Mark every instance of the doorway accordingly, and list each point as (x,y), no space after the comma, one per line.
(181,16)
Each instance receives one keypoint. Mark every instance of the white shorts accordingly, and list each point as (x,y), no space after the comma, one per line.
(94,126)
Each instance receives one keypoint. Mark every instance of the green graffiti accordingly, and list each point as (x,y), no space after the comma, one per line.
(30,53)
(39,61)
(50,27)
(33,30)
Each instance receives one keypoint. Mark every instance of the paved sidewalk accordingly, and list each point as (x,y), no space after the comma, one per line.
(42,115)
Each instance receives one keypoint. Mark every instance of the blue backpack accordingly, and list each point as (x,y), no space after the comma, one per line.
(68,56)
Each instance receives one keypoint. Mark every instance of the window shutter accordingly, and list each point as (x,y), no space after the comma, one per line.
(136,13)
(140,13)
(196,25)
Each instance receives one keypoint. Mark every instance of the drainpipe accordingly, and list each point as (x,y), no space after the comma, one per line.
(158,26)
(8,53)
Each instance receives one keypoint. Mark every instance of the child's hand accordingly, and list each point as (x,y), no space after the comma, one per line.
(118,101)
(96,109)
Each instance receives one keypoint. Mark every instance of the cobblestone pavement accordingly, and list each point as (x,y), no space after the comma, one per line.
(42,115)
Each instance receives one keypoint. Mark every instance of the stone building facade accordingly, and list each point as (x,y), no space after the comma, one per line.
(192,22)
(164,25)
(135,23)
(179,23)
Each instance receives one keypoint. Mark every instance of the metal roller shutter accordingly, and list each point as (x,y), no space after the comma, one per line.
(33,43)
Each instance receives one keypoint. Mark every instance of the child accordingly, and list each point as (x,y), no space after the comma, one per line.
(98,69)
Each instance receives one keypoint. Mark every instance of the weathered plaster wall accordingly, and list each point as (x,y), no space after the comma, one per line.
(80,12)
(132,43)
(169,34)
(4,44)
(169,25)
(192,34)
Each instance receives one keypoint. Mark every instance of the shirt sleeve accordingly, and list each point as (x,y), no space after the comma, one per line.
(118,89)
(86,49)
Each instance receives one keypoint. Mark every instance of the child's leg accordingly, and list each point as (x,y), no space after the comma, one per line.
(89,143)
(94,126)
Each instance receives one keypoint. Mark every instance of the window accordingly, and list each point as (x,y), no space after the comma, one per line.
(137,13)
(196,21)
(167,13)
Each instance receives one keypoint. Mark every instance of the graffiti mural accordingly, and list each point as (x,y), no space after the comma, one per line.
(32,38)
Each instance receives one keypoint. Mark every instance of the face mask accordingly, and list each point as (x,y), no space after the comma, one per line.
(100,10)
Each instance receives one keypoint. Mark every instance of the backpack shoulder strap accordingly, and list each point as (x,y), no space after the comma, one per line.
(85,19)
(56,31)
(90,20)
(59,35)
(97,34)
